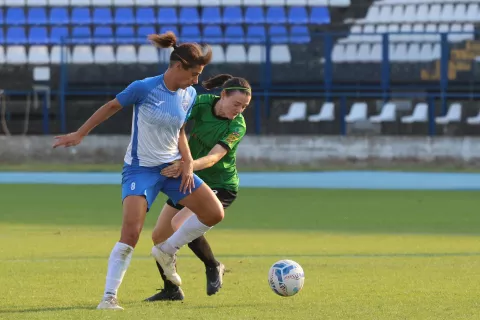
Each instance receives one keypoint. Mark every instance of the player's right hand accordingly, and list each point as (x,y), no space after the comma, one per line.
(187,177)
(173,171)
(68,140)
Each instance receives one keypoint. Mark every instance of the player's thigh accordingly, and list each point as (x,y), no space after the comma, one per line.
(181,217)
(163,229)
(134,212)
(205,204)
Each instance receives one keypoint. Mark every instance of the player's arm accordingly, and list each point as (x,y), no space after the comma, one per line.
(187,163)
(217,153)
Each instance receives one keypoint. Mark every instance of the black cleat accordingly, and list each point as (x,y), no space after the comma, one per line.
(214,278)
(175,294)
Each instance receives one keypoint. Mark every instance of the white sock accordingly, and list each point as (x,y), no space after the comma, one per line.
(118,262)
(190,230)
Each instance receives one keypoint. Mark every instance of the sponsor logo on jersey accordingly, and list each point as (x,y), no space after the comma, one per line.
(232,137)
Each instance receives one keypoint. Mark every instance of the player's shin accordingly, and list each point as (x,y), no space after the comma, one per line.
(118,262)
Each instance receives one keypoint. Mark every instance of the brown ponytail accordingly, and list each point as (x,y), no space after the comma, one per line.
(228,83)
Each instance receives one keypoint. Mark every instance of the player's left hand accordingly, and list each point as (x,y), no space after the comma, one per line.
(173,171)
(187,177)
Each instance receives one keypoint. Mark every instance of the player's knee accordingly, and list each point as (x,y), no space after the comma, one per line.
(157,237)
(176,223)
(214,216)
(130,236)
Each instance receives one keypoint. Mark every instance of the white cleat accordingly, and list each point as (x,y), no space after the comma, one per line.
(109,302)
(167,262)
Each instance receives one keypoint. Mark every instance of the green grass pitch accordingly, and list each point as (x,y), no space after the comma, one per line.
(366,255)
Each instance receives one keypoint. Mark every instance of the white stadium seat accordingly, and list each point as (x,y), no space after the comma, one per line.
(16,55)
(126,54)
(147,54)
(327,113)
(256,54)
(387,114)
(56,54)
(420,114)
(357,113)
(218,54)
(82,55)
(38,55)
(280,54)
(296,111)
(236,54)
(103,54)
(2,55)
(454,114)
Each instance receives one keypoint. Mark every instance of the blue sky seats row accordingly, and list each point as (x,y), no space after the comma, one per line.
(166,15)
(102,34)
(170,3)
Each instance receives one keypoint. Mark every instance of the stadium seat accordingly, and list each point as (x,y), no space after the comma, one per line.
(126,54)
(103,54)
(297,15)
(454,114)
(59,16)
(2,20)
(340,3)
(86,3)
(38,35)
(167,16)
(357,113)
(296,112)
(232,15)
(278,34)
(319,15)
(81,16)
(37,16)
(16,35)
(218,54)
(209,3)
(16,55)
(189,15)
(101,3)
(276,15)
(473,13)
(37,3)
(58,3)
(387,114)
(235,53)
(15,3)
(233,3)
(38,55)
(145,16)
(124,16)
(57,52)
(191,3)
(145,3)
(82,55)
(299,34)
(2,55)
(234,34)
(166,28)
(420,114)
(191,34)
(81,35)
(475,120)
(254,15)
(256,34)
(326,113)
(211,15)
(102,16)
(280,54)
(256,54)
(59,34)
(147,54)
(125,35)
(103,35)
(213,34)
(143,32)
(122,3)
(167,3)
(254,2)
(15,16)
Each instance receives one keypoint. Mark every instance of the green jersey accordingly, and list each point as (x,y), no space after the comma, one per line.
(210,130)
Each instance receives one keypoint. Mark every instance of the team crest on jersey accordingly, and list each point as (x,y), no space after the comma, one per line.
(185,104)
(232,137)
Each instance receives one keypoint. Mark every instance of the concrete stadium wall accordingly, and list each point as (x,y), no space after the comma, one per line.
(263,150)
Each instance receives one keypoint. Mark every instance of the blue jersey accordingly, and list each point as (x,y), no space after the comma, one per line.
(158,116)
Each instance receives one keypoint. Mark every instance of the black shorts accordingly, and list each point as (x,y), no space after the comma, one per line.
(225,196)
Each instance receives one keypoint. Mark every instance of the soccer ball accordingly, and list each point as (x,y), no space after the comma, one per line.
(286,278)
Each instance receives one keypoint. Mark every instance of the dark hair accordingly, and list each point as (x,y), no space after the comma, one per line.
(228,83)
(189,54)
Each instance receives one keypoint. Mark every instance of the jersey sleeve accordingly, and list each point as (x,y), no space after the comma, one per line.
(132,94)
(233,136)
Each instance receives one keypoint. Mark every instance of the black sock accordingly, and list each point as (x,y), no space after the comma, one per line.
(202,250)
(167,284)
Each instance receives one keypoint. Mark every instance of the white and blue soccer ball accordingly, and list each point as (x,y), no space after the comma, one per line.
(286,278)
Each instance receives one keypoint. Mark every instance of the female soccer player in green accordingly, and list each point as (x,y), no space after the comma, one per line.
(218,129)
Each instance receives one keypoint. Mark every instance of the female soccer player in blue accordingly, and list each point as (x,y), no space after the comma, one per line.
(162,105)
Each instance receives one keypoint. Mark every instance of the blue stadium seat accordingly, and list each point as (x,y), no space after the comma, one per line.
(297,15)
(213,34)
(125,34)
(319,15)
(145,16)
(143,32)
(15,16)
(16,35)
(2,36)
(59,16)
(81,16)
(276,15)
(164,29)
(167,16)
(211,15)
(254,15)
(38,35)
(37,16)
(191,34)
(59,33)
(2,20)
(81,35)
(232,15)
(103,35)
(189,15)
(102,16)
(124,16)
(256,34)
(299,34)
(234,34)
(278,34)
